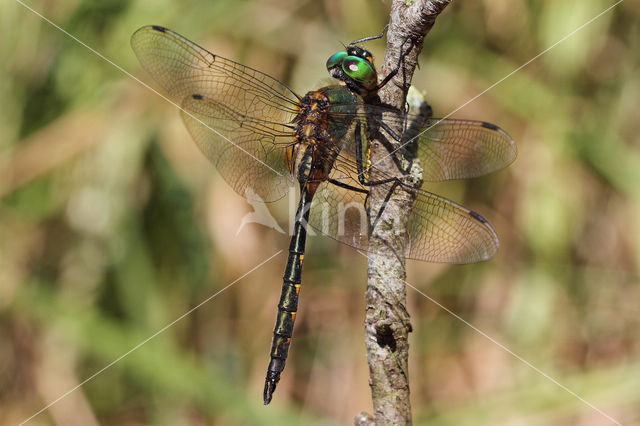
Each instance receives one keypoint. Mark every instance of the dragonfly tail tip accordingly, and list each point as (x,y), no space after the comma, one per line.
(269,388)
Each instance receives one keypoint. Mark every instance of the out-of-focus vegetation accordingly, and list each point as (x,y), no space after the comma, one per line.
(112,225)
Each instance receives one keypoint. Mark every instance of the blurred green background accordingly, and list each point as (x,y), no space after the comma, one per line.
(112,225)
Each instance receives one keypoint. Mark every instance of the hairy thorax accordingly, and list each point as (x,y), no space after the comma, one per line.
(322,122)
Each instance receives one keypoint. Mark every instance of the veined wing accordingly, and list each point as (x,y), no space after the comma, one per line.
(439,230)
(265,180)
(234,113)
(460,149)
(448,148)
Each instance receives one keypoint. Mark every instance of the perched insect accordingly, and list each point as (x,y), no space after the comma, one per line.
(264,138)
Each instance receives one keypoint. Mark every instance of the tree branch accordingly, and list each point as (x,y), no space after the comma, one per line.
(387,323)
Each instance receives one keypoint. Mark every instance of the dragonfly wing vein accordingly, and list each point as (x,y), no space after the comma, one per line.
(461,149)
(248,108)
(265,180)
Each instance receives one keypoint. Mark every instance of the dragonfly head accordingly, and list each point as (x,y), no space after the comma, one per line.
(355,68)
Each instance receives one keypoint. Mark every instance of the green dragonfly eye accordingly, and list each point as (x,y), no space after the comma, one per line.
(336,60)
(359,69)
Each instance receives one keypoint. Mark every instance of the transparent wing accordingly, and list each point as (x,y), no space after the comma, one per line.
(238,116)
(340,214)
(438,229)
(448,148)
(263,177)
(460,149)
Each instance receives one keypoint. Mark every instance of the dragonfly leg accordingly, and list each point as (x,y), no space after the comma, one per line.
(347,186)
(390,131)
(395,71)
(387,197)
(360,161)
(424,112)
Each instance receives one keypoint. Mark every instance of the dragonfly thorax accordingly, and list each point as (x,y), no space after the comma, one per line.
(320,128)
(311,120)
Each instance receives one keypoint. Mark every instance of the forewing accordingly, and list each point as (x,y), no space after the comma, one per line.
(264,180)
(447,148)
(460,149)
(234,113)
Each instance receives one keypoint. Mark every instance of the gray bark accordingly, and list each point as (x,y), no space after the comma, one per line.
(387,323)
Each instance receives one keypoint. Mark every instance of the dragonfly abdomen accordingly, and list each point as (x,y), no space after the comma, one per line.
(288,305)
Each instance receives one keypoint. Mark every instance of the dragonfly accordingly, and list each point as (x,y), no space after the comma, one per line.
(264,138)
